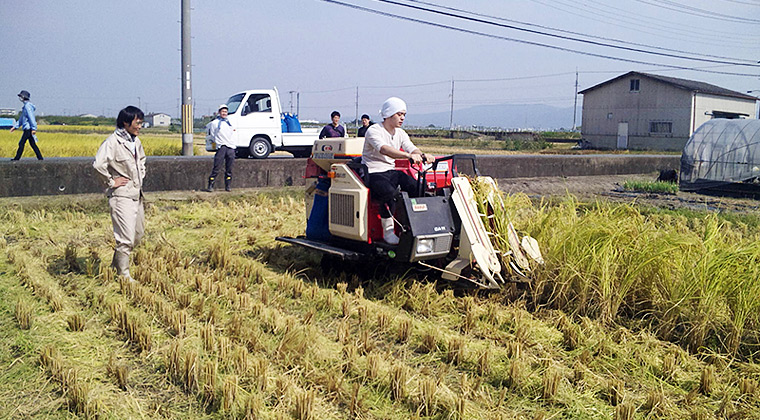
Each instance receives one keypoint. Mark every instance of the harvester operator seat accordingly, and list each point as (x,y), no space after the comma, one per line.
(359,169)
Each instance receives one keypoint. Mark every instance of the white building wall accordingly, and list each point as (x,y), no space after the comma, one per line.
(705,105)
(607,106)
(161,120)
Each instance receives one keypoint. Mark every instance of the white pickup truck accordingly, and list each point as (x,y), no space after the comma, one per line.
(255,117)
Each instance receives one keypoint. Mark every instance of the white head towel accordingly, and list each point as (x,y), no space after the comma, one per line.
(391,106)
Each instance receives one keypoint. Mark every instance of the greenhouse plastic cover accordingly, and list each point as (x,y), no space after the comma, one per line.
(723,155)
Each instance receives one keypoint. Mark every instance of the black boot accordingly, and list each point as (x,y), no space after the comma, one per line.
(227,182)
(210,185)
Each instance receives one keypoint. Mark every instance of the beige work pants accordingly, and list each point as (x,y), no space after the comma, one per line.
(128,218)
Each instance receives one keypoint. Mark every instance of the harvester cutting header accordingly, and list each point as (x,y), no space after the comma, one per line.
(433,221)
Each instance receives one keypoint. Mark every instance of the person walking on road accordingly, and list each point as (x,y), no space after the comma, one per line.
(120,163)
(334,129)
(28,123)
(220,130)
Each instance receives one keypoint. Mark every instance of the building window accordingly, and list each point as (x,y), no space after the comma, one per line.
(635,85)
(728,115)
(660,127)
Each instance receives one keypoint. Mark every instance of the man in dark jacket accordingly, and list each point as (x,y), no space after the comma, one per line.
(334,129)
(366,122)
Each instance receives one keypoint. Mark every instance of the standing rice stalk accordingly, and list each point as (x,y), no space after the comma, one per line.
(119,371)
(404,330)
(23,314)
(707,380)
(229,392)
(190,371)
(399,374)
(428,399)
(625,411)
(550,384)
(696,280)
(304,405)
(484,362)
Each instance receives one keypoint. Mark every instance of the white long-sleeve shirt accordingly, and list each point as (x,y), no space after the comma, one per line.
(221,131)
(375,138)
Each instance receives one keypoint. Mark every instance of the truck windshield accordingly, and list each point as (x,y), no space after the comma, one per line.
(234,102)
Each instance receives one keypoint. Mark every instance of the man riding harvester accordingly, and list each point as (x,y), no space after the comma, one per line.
(382,199)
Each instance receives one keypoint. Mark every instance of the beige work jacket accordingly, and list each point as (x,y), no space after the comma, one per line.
(115,159)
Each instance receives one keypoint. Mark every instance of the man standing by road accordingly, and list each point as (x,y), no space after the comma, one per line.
(120,163)
(334,129)
(220,130)
(28,123)
(384,143)
(366,122)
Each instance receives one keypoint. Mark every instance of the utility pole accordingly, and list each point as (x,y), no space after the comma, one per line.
(186,78)
(575,100)
(139,103)
(298,103)
(451,113)
(356,117)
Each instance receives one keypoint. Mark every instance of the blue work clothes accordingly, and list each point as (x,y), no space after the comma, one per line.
(27,121)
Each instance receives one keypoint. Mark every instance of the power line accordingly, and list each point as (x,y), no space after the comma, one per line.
(646,20)
(329,91)
(614,16)
(454,28)
(376,87)
(574,33)
(407,86)
(564,37)
(515,78)
(749,3)
(695,11)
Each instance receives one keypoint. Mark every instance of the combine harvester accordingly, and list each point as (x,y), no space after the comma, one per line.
(443,229)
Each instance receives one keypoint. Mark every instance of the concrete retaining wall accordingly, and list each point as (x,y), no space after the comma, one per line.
(58,176)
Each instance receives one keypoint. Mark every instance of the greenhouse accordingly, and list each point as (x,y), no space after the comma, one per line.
(723,157)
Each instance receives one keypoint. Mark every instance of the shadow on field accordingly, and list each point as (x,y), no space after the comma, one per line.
(324,270)
(374,276)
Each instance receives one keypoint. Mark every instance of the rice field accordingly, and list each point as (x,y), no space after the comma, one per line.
(67,141)
(638,313)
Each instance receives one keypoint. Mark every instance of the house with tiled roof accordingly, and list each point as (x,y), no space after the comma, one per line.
(652,112)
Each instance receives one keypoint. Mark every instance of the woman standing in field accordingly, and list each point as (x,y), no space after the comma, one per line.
(120,163)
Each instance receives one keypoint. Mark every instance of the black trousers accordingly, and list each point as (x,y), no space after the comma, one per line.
(24,137)
(383,185)
(226,155)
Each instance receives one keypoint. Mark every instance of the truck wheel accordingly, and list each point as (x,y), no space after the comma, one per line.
(260,148)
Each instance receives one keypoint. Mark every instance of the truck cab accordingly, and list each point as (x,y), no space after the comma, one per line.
(255,116)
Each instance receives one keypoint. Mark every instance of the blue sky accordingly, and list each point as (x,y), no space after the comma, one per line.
(82,56)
